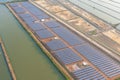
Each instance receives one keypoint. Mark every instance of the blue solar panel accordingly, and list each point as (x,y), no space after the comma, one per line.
(44,34)
(35,11)
(26,15)
(42,16)
(67,56)
(28,19)
(88,73)
(68,36)
(36,26)
(55,44)
(106,64)
(27,5)
(18,9)
(53,24)
(13,4)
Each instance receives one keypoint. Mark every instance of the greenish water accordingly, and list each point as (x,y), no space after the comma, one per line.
(28,61)
(4,72)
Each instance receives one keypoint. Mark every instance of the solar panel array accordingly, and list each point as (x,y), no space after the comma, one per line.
(56,44)
(106,64)
(67,56)
(14,4)
(35,11)
(68,36)
(36,26)
(88,73)
(53,24)
(27,17)
(44,34)
(60,46)
(19,10)
(27,5)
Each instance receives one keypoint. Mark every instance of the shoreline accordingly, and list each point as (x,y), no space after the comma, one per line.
(39,43)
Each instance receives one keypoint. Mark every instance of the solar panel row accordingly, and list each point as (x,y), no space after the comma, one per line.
(19,9)
(68,36)
(27,5)
(13,4)
(30,20)
(53,24)
(56,44)
(67,56)
(35,11)
(44,34)
(36,26)
(88,73)
(100,60)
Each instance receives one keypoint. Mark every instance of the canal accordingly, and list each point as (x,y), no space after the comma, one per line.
(28,61)
(4,71)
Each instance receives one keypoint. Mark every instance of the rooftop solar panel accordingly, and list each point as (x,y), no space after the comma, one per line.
(44,34)
(106,64)
(67,56)
(52,24)
(55,44)
(68,36)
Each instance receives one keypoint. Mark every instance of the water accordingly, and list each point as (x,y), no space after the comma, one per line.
(104,9)
(4,71)
(28,61)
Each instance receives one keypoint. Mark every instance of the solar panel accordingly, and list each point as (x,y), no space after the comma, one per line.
(88,73)
(52,24)
(28,19)
(66,56)
(34,10)
(18,9)
(27,5)
(68,36)
(44,34)
(36,26)
(13,4)
(106,64)
(42,16)
(55,44)
(26,15)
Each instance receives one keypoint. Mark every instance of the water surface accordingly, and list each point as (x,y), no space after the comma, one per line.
(28,61)
(4,71)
